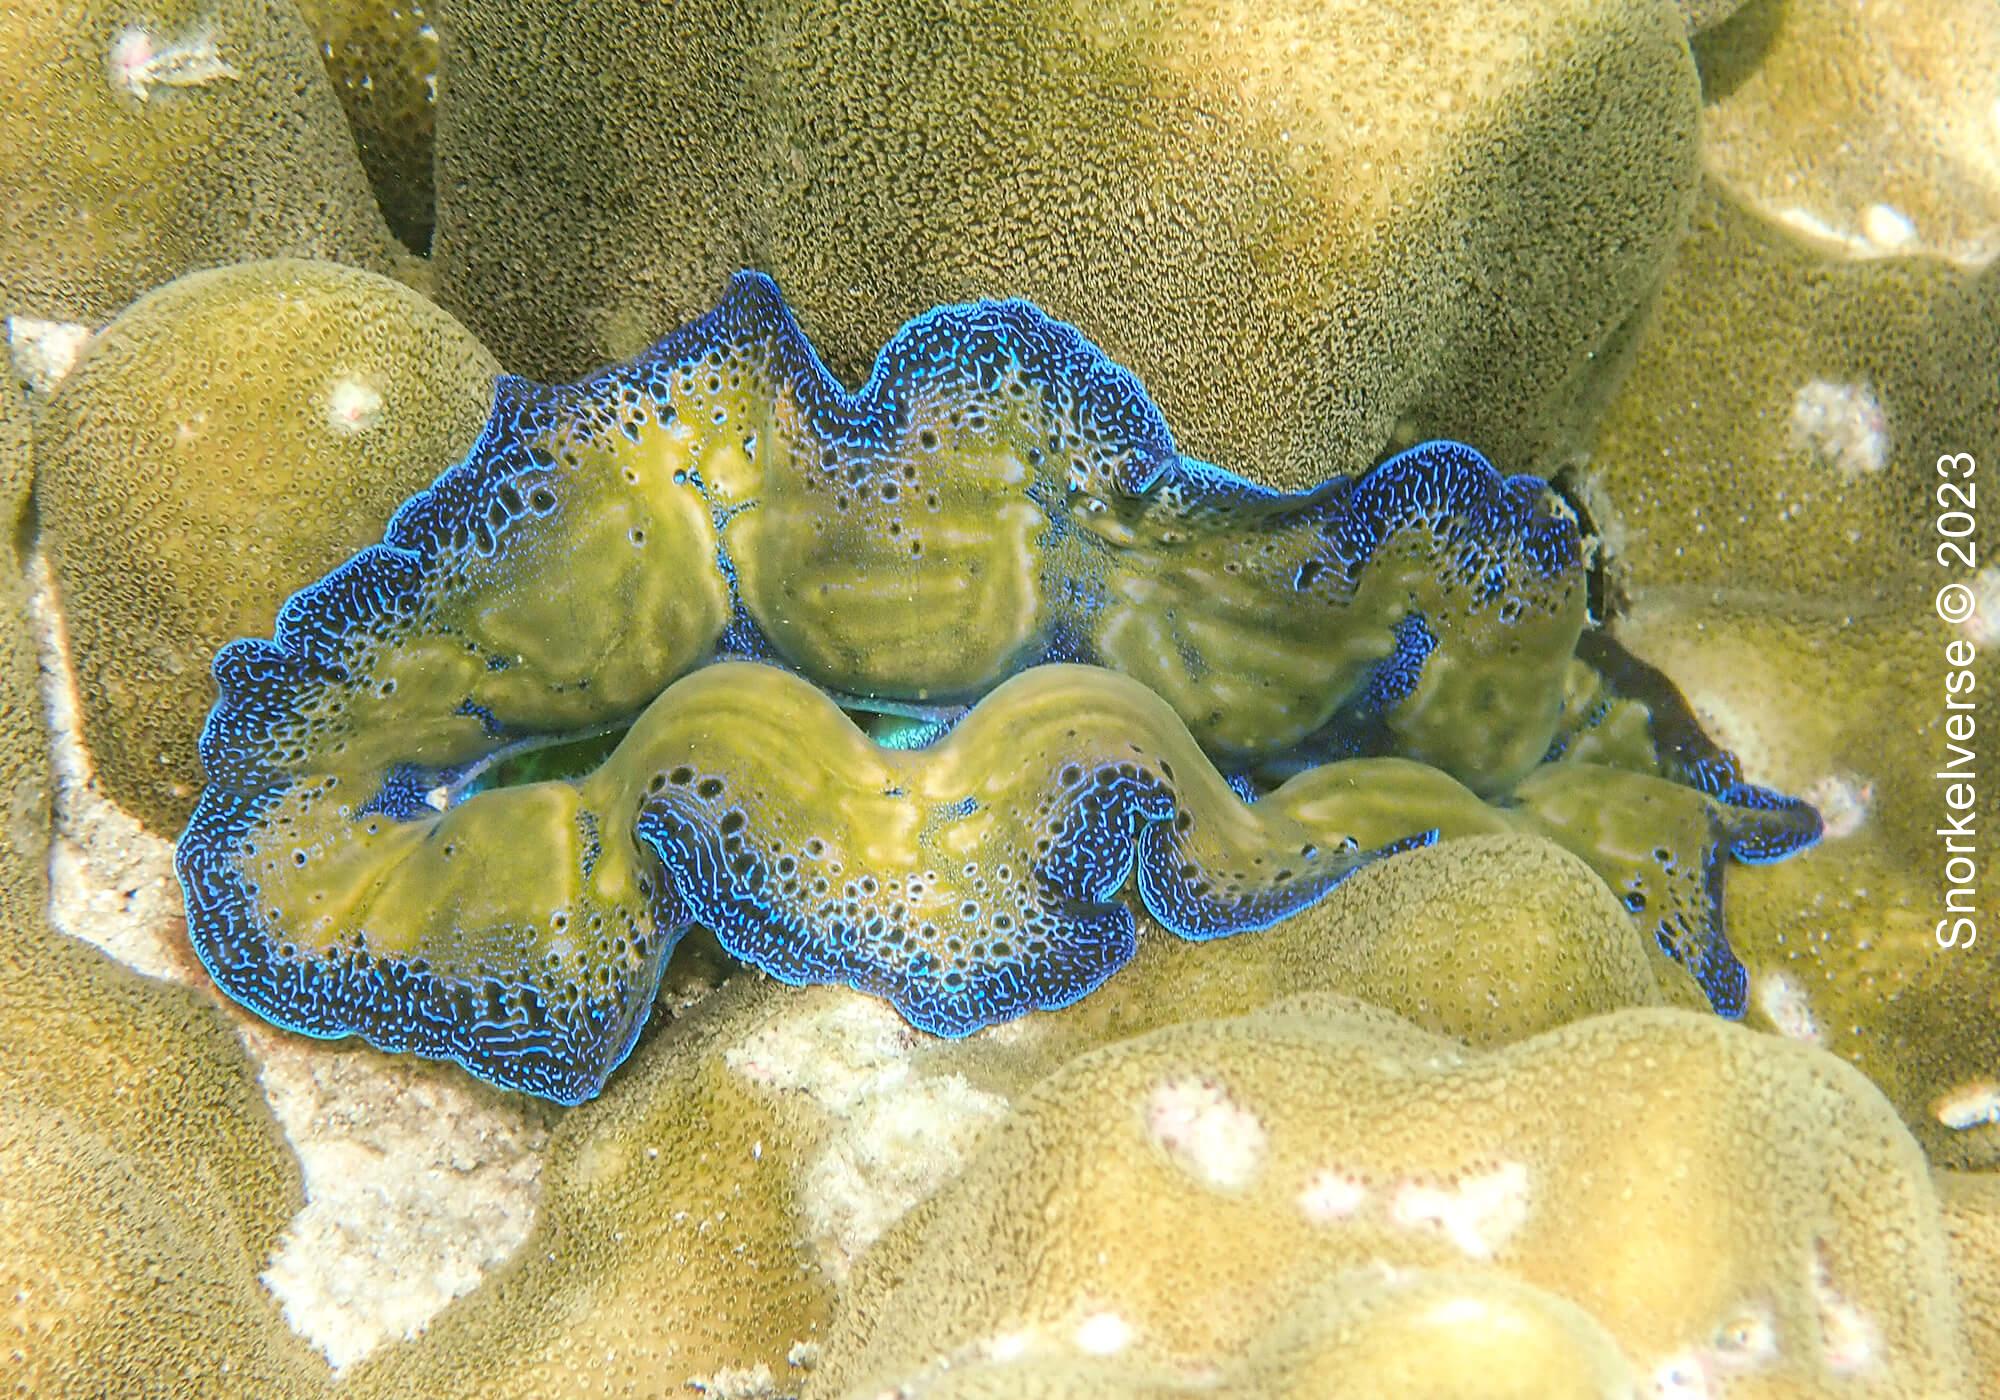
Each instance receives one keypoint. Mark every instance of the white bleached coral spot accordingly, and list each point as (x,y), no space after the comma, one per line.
(1973,1104)
(1332,1195)
(1784,1002)
(417,1186)
(141,60)
(1103,1334)
(353,405)
(1888,228)
(1207,1133)
(43,352)
(895,1133)
(1848,1340)
(739,1383)
(1982,626)
(1842,425)
(1843,801)
(1477,1213)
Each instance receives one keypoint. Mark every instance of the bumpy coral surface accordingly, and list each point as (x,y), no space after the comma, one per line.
(1908,87)
(1719,269)
(231,435)
(138,144)
(1972,1220)
(24,762)
(1824,449)
(382,56)
(1844,948)
(1659,845)
(1736,1213)
(1437,1333)
(1408,258)
(1554,945)
(140,1179)
(1785,411)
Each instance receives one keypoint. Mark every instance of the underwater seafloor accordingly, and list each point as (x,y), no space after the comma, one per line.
(1722,272)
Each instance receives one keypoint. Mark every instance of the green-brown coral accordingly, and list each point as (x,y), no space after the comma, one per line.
(1408,258)
(142,1182)
(383,58)
(1721,1204)
(139,145)
(228,437)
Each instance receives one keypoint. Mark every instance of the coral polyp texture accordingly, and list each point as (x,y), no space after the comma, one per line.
(1732,1213)
(140,143)
(1270,212)
(229,436)
(998,495)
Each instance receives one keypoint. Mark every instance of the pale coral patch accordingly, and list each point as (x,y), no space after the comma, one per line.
(417,1184)
(111,880)
(1784,1002)
(900,1134)
(1842,425)
(1332,1195)
(739,1383)
(1843,801)
(1103,1334)
(1888,228)
(1209,1135)
(1747,1341)
(140,61)
(1848,1337)
(44,352)
(1972,1104)
(1982,625)
(353,405)
(1476,1213)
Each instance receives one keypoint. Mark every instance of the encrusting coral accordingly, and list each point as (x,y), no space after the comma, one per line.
(670,1249)
(1844,947)
(997,495)
(141,1180)
(1706,14)
(1786,408)
(230,435)
(1188,179)
(1485,939)
(136,145)
(382,56)
(24,761)
(1972,1221)
(1771,525)
(1660,846)
(1553,944)
(142,1187)
(1436,1333)
(1906,88)
(1730,1209)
